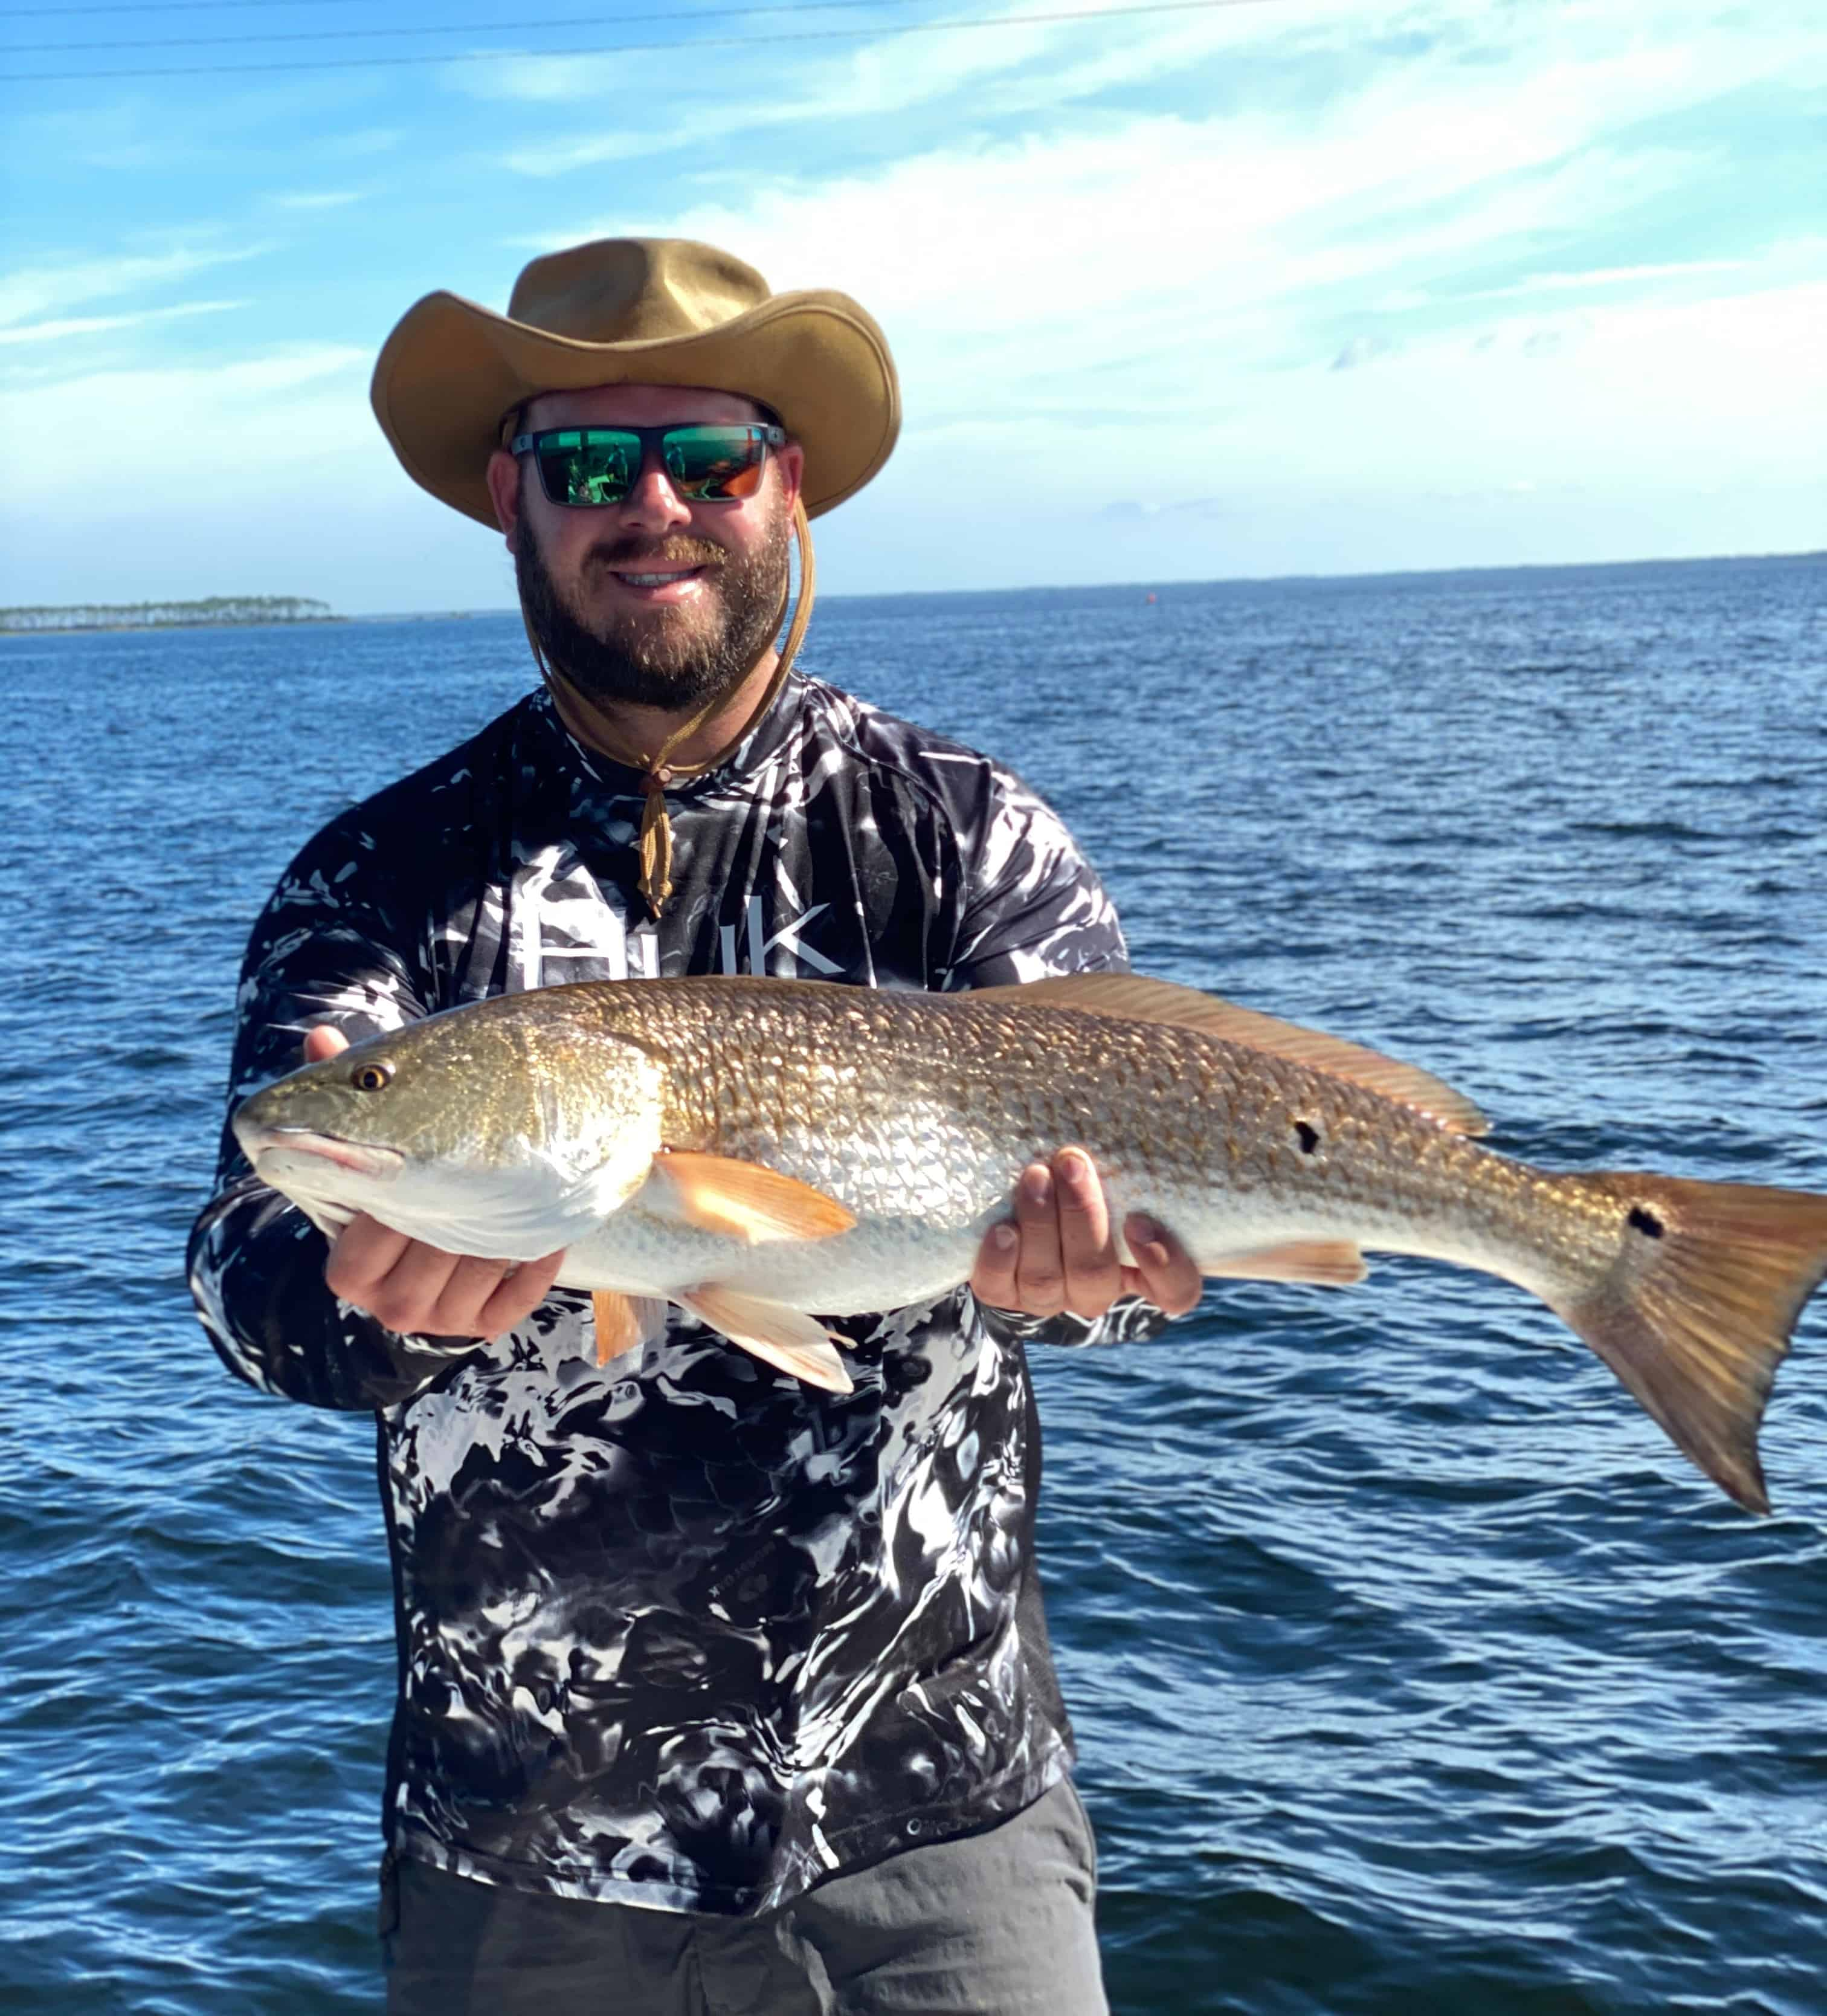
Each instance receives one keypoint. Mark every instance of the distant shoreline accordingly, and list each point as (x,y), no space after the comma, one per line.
(202,623)
(214,612)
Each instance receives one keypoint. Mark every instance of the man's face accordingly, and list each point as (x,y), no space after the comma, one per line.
(655,601)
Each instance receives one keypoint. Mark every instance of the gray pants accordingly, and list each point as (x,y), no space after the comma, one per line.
(994,1924)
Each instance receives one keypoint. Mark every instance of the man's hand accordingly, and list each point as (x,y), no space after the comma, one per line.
(1059,1253)
(420,1289)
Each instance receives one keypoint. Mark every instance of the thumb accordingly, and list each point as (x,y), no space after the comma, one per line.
(323,1042)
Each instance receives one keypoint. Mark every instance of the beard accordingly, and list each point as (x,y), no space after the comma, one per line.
(674,658)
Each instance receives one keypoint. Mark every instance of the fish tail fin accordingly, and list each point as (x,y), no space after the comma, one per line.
(1695,1312)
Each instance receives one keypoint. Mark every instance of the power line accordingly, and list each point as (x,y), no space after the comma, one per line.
(167,7)
(636,48)
(458,28)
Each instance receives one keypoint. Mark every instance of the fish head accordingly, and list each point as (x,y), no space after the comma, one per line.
(477,1132)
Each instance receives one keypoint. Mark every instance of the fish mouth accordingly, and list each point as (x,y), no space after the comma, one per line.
(361,1158)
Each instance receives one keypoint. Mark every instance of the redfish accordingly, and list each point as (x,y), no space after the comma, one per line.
(760,1152)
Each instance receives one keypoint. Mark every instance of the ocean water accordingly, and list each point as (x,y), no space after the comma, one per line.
(1413,1670)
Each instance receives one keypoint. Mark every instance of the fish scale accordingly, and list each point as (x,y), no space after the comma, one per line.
(998,1095)
(761,1151)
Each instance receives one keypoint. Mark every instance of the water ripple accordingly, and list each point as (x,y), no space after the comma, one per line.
(1413,1671)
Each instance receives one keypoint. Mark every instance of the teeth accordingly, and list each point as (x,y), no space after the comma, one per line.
(656,580)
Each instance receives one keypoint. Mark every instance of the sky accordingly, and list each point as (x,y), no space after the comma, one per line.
(1230,288)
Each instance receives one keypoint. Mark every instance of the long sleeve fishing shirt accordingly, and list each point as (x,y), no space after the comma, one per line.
(682,1631)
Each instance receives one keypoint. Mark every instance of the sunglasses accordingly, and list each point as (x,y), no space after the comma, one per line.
(719,464)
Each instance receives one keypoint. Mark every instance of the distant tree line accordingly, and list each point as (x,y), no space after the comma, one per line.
(158,615)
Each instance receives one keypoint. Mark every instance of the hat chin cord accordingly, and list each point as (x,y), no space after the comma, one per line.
(592,727)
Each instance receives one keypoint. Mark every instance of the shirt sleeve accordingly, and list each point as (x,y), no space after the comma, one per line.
(324,950)
(1035,907)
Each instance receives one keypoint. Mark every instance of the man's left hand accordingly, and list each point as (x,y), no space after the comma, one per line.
(1058,1255)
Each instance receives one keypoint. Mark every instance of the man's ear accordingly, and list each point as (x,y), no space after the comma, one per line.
(504,490)
(791,462)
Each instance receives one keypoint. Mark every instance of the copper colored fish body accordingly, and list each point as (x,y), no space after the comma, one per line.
(757,1151)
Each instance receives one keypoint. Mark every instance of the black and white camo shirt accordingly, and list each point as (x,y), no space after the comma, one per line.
(681,1632)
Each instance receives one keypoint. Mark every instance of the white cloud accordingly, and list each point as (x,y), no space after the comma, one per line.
(1146,239)
(38,291)
(1432,157)
(1361,350)
(1208,271)
(1293,60)
(562,157)
(49,332)
(315,199)
(893,71)
(169,424)
(1606,276)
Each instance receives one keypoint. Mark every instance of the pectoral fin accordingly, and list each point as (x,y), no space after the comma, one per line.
(1330,1263)
(748,1201)
(787,1338)
(624,1321)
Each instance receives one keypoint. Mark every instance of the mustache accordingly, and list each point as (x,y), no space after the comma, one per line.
(636,555)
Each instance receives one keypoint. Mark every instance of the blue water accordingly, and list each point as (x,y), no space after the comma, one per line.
(1413,1670)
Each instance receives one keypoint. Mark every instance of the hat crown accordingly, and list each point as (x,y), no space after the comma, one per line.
(635,291)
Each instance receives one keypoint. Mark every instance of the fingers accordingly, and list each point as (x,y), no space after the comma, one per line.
(993,1279)
(1164,1272)
(419,1291)
(1018,1265)
(1059,1253)
(325,1041)
(360,1256)
(1040,1284)
(516,1296)
(1087,1254)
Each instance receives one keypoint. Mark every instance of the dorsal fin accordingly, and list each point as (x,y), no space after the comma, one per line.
(1128,997)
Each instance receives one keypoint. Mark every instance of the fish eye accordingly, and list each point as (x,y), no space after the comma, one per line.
(370,1077)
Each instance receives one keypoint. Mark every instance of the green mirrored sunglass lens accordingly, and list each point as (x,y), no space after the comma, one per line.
(713,462)
(589,470)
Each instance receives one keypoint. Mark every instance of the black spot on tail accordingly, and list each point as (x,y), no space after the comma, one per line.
(1309,1136)
(1645,1221)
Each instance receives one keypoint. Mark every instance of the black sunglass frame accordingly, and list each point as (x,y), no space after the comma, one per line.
(653,441)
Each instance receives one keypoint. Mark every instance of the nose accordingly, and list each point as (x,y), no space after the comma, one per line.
(653,507)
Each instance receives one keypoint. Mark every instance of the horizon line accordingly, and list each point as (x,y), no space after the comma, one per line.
(1147,585)
(1144,585)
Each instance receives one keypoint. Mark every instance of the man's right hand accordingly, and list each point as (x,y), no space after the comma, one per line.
(421,1290)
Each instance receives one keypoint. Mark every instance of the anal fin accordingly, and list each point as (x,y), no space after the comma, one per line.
(1330,1263)
(747,1201)
(782,1337)
(623,1322)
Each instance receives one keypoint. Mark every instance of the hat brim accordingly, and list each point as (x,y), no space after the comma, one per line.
(452,369)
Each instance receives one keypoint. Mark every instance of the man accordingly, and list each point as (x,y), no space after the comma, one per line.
(716,1690)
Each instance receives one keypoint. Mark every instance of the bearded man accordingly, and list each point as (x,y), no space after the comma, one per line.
(715,1690)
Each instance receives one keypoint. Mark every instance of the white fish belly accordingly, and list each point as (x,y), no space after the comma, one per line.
(883,1264)
(888,1262)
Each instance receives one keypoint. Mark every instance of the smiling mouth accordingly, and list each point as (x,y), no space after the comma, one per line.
(361,1158)
(656,579)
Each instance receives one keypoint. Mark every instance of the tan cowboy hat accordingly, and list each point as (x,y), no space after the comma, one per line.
(641,311)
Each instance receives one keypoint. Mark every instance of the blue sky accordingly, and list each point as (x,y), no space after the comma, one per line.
(1278,286)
